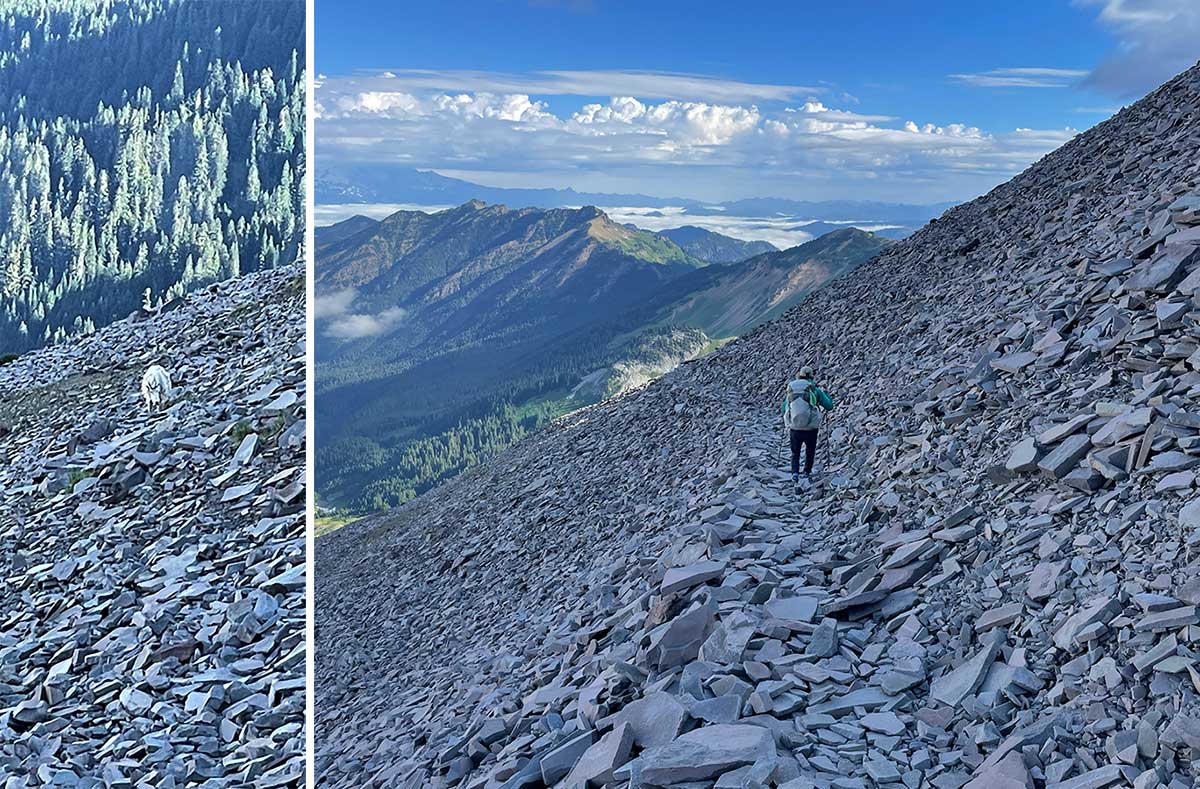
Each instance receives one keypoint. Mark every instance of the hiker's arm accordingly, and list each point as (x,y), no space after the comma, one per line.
(826,400)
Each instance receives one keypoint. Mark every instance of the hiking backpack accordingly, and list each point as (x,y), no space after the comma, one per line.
(802,411)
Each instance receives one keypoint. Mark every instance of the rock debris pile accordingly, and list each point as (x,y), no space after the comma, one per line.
(152,609)
(994,583)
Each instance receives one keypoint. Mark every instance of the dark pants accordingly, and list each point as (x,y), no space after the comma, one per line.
(809,439)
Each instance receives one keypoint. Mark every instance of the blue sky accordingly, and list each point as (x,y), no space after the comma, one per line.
(725,100)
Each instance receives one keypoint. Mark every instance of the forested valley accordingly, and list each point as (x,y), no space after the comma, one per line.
(147,147)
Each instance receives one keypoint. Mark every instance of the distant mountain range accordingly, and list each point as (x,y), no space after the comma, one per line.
(714,247)
(444,337)
(395,184)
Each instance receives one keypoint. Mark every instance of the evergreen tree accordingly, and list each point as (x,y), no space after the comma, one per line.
(171,157)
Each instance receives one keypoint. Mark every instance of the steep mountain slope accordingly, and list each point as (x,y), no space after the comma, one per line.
(325,237)
(714,247)
(993,583)
(153,562)
(715,304)
(727,301)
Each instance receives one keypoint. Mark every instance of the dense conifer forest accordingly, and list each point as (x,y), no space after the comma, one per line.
(147,147)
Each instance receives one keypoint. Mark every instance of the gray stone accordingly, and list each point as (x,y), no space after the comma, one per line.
(1189,515)
(867,698)
(1009,772)
(559,761)
(653,720)
(727,642)
(1065,456)
(1024,456)
(598,763)
(678,641)
(792,611)
(824,640)
(1169,619)
(955,685)
(1043,581)
(702,754)
(1097,610)
(1000,616)
(722,709)
(678,578)
(883,722)
(1093,779)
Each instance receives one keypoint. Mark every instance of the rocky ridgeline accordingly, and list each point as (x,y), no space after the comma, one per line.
(993,584)
(152,604)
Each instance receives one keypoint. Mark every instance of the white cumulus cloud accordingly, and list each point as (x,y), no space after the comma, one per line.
(382,101)
(513,107)
(708,149)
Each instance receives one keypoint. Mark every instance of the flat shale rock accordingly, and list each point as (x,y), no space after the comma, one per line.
(678,578)
(653,720)
(597,765)
(702,754)
(976,589)
(954,686)
(152,625)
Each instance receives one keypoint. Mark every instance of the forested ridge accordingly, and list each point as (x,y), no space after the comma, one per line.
(427,423)
(147,147)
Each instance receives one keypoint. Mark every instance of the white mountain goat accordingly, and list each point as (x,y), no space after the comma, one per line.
(156,387)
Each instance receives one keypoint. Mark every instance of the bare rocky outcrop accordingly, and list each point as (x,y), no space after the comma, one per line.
(152,610)
(993,583)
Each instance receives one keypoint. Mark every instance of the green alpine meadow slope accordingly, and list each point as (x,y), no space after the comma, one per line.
(443,338)
(729,300)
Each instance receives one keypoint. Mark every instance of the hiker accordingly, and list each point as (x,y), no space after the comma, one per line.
(803,406)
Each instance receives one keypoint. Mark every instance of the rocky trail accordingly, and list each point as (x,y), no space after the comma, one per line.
(995,584)
(152,610)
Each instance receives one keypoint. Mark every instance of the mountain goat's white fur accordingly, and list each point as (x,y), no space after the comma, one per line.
(156,387)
